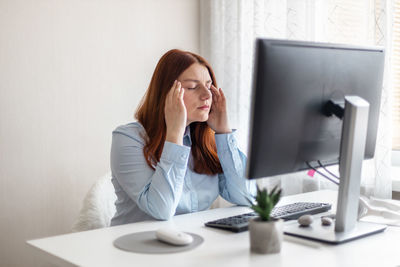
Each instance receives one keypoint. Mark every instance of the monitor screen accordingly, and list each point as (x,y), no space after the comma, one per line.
(292,83)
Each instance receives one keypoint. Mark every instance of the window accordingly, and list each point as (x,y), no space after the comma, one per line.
(346,24)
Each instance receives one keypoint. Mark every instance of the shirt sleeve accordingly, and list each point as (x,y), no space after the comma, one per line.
(156,192)
(233,186)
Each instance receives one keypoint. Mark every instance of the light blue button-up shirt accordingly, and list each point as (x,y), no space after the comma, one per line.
(173,187)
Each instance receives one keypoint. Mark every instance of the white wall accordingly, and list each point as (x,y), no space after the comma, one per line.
(70,72)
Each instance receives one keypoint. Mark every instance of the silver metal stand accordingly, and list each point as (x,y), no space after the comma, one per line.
(354,135)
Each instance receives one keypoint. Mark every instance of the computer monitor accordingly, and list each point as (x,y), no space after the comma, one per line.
(297,86)
(293,81)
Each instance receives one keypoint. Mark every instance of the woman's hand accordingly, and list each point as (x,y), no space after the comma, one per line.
(218,117)
(175,114)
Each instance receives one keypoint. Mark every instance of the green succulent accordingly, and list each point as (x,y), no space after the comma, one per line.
(266,202)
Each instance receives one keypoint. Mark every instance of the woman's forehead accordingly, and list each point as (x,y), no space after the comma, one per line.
(196,72)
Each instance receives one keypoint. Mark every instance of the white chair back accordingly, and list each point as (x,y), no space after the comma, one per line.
(98,206)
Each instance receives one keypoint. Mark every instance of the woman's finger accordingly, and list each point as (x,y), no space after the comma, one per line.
(182,91)
(171,92)
(215,93)
(214,89)
(221,93)
(176,90)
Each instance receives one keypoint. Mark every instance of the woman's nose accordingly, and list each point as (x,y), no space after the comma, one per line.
(205,92)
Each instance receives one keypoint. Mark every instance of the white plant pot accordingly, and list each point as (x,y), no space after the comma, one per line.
(265,237)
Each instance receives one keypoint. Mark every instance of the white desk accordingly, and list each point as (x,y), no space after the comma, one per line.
(220,248)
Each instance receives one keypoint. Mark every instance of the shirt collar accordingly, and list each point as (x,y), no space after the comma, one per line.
(186,137)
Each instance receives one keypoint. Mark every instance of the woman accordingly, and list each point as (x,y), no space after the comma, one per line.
(181,154)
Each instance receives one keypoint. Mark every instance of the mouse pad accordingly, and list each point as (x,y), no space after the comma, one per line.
(146,242)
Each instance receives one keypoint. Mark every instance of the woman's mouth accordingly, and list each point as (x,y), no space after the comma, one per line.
(205,107)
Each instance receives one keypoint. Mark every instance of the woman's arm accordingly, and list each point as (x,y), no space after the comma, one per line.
(156,192)
(233,186)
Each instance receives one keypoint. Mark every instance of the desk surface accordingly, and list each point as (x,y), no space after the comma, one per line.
(220,248)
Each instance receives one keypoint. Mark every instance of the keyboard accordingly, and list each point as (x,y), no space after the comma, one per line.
(240,223)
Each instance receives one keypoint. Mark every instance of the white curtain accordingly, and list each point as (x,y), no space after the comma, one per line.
(228,31)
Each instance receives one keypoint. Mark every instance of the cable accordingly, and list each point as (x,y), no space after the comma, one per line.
(327,177)
(323,166)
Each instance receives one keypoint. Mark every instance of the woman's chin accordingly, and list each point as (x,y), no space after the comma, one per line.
(201,118)
(205,118)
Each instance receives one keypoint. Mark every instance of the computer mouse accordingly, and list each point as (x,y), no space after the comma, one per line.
(173,236)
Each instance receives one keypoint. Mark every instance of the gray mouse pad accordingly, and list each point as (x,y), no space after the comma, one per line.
(146,242)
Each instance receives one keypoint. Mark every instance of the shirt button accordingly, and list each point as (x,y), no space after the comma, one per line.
(183,156)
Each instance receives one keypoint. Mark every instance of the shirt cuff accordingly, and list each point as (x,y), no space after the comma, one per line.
(226,141)
(175,153)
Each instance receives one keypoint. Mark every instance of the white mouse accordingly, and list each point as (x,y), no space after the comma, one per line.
(173,237)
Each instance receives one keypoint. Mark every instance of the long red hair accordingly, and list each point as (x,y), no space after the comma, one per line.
(150,114)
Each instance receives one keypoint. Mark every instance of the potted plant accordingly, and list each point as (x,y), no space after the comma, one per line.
(266,233)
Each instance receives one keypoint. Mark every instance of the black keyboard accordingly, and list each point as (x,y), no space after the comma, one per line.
(240,223)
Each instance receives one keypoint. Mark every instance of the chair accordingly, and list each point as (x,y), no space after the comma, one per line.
(98,206)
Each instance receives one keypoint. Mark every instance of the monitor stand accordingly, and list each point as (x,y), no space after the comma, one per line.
(352,147)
